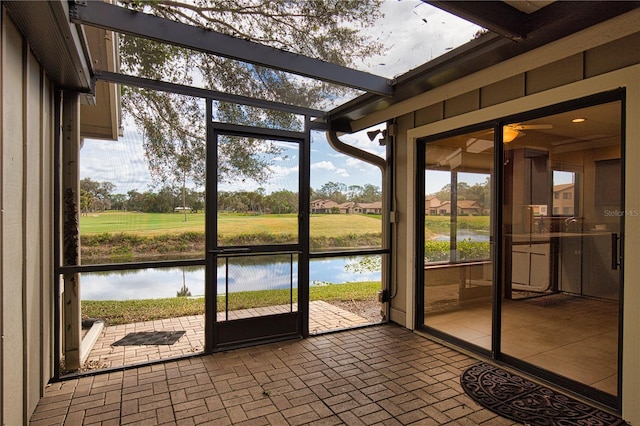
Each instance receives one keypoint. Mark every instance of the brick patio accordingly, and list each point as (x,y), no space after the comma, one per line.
(375,375)
(323,317)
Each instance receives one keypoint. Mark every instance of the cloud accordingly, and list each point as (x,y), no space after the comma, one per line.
(329,166)
(413,33)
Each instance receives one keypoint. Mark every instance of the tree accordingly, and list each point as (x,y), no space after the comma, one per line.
(479,192)
(334,191)
(95,196)
(174,126)
(282,202)
(118,201)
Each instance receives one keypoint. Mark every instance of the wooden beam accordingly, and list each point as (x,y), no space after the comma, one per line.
(70,217)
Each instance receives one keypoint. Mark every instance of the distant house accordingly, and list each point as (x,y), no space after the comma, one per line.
(328,206)
(323,206)
(368,208)
(468,207)
(431,204)
(564,199)
(464,207)
(347,208)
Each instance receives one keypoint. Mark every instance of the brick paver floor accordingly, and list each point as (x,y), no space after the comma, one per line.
(322,317)
(375,375)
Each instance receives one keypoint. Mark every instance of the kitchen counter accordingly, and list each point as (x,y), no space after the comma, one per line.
(543,237)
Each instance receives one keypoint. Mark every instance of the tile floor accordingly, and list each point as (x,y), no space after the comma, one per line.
(382,375)
(576,337)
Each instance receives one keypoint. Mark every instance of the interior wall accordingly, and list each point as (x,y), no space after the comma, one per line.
(26,197)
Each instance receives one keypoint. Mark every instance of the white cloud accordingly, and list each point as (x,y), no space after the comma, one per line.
(329,166)
(414,32)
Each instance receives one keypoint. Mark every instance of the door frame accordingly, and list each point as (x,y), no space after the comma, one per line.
(498,247)
(249,331)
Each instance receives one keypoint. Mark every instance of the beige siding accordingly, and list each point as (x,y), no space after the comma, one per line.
(12,226)
(612,56)
(26,199)
(502,91)
(429,114)
(555,74)
(460,104)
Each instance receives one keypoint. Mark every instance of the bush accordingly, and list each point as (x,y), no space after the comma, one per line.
(438,251)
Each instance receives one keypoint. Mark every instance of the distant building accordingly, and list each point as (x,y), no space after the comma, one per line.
(323,206)
(329,206)
(368,208)
(564,199)
(464,207)
(431,204)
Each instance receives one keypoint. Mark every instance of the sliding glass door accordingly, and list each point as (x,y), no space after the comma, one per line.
(523,263)
(457,285)
(562,211)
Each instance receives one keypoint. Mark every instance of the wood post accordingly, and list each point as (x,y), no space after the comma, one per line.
(71,231)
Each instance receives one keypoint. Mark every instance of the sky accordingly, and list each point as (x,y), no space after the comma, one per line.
(414,33)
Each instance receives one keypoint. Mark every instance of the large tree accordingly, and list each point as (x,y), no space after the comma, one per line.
(174,126)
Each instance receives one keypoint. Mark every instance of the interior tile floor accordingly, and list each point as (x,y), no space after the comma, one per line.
(576,337)
(323,317)
(381,375)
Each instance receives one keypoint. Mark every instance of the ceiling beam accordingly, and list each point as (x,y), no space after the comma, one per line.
(495,16)
(118,19)
(164,86)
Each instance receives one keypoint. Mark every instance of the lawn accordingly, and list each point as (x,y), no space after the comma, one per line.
(114,312)
(151,224)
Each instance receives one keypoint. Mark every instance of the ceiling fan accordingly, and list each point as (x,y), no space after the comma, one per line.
(512,131)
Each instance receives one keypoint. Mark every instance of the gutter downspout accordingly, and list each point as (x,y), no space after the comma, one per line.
(352,151)
(384,166)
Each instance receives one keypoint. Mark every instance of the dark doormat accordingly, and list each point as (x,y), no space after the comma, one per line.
(151,338)
(527,402)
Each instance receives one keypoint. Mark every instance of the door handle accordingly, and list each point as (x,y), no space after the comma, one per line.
(615,261)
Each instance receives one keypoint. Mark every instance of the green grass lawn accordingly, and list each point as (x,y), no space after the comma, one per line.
(151,224)
(326,225)
(114,312)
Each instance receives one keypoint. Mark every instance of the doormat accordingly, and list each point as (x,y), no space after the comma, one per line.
(150,338)
(527,402)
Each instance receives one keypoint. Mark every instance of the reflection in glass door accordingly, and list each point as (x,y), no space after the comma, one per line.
(457,221)
(254,235)
(562,226)
(555,311)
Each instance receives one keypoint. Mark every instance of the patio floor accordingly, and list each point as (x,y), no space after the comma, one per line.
(323,317)
(374,375)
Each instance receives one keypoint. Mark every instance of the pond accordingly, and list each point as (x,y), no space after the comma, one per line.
(166,282)
(464,234)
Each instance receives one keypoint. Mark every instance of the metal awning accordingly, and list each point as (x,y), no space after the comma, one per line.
(118,19)
(516,27)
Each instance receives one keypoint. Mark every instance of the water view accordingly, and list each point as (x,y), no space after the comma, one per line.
(167,282)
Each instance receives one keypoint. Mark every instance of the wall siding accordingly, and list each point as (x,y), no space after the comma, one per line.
(612,56)
(12,226)
(26,198)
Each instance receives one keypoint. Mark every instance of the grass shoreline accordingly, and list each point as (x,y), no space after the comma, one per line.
(116,312)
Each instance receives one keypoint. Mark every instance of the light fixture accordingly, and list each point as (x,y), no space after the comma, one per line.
(509,134)
(578,120)
(373,133)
